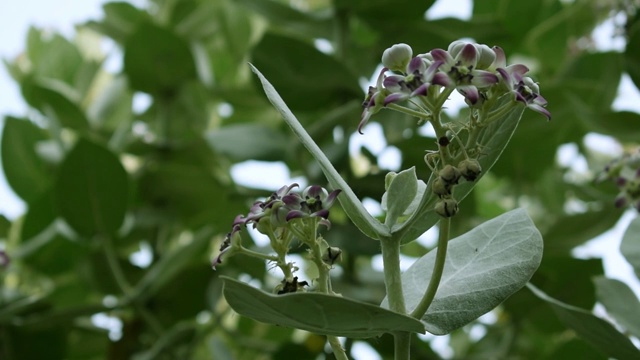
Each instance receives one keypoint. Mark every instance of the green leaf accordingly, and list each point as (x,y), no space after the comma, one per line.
(632,53)
(381,10)
(318,313)
(52,56)
(184,186)
(290,19)
(40,214)
(597,332)
(557,25)
(157,61)
(483,268)
(623,125)
(113,105)
(348,199)
(120,20)
(91,191)
(55,100)
(630,245)
(569,231)
(400,194)
(249,142)
(591,81)
(621,303)
(307,78)
(171,264)
(170,339)
(26,173)
(493,138)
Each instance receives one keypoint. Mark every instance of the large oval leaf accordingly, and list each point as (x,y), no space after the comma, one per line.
(306,77)
(24,169)
(621,303)
(156,60)
(630,245)
(91,190)
(318,313)
(483,268)
(348,199)
(597,332)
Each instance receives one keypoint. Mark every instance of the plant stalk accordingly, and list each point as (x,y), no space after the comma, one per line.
(401,345)
(438,267)
(395,294)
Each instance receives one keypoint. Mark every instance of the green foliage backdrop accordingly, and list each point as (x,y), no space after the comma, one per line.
(101,179)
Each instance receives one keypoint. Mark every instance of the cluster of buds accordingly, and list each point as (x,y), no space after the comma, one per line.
(448,177)
(476,71)
(283,216)
(625,173)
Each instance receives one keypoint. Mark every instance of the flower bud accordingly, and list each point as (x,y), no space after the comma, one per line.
(450,175)
(397,57)
(455,47)
(446,207)
(486,56)
(440,188)
(470,169)
(332,255)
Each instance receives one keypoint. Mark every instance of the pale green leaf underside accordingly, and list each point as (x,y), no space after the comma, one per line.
(318,313)
(630,246)
(621,303)
(348,199)
(401,193)
(483,268)
(597,332)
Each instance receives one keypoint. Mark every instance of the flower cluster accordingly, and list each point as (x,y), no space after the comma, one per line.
(276,213)
(625,172)
(474,70)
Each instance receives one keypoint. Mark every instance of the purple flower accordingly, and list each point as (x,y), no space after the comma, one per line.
(276,211)
(314,202)
(374,100)
(462,71)
(420,73)
(524,89)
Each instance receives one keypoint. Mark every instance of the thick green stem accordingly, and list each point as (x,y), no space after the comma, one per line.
(392,274)
(438,267)
(402,346)
(338,350)
(395,295)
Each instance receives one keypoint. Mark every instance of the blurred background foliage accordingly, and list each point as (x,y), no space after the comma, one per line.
(105,179)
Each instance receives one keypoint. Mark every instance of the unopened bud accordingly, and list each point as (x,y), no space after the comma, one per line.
(450,175)
(470,169)
(440,188)
(332,255)
(397,57)
(446,207)
(486,56)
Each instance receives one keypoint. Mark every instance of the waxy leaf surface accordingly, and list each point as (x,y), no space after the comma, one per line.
(318,313)
(483,268)
(597,332)
(348,199)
